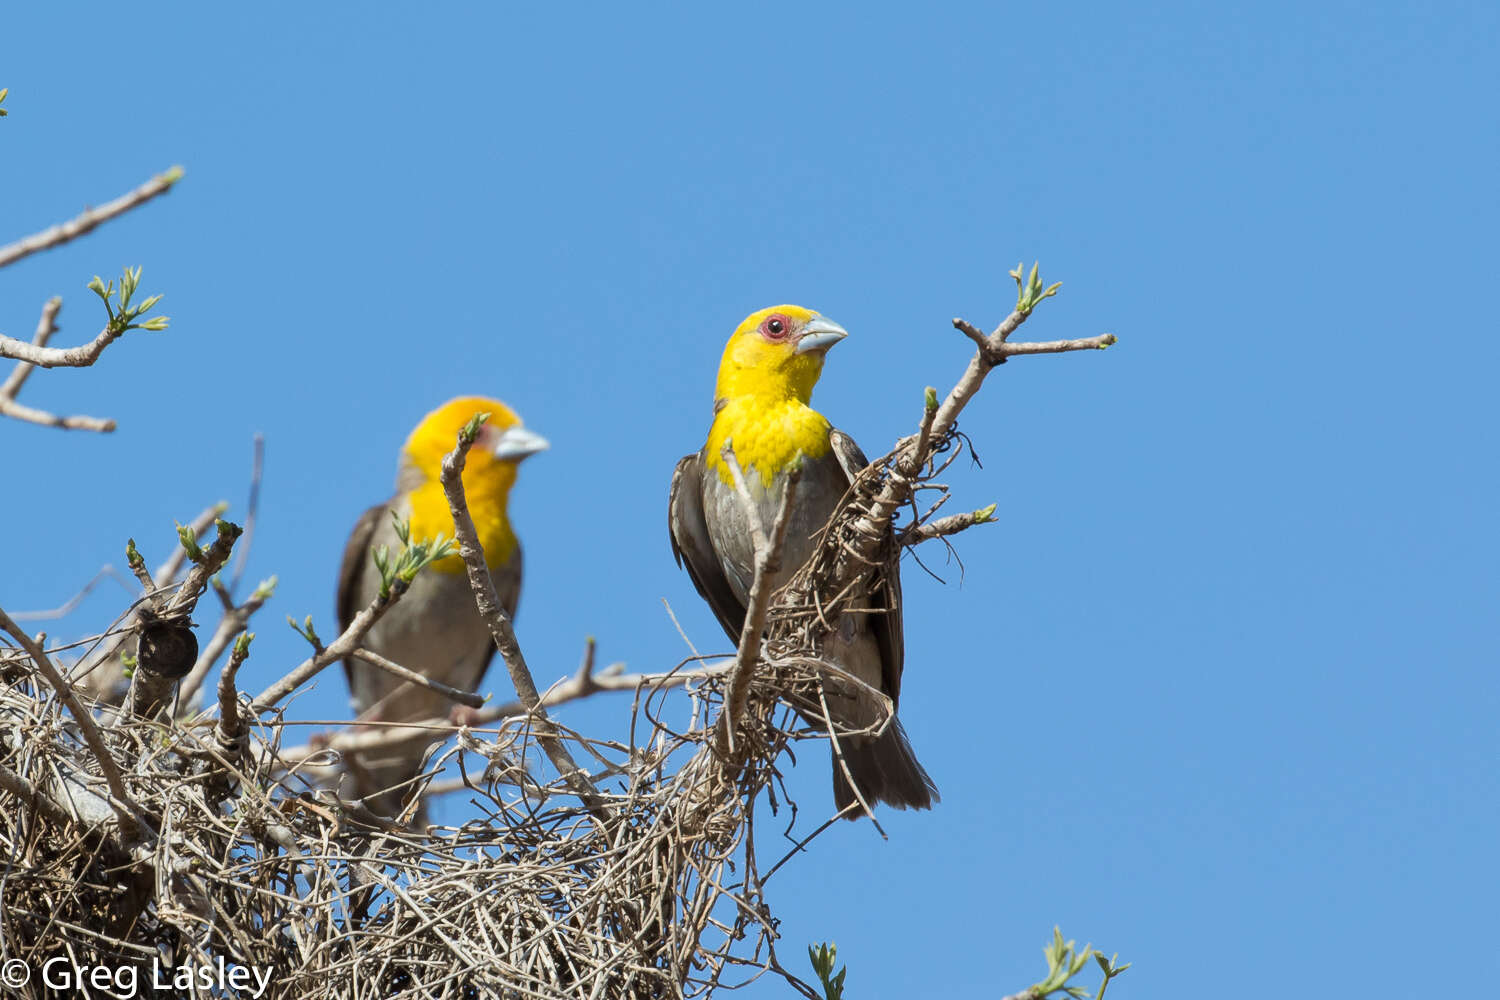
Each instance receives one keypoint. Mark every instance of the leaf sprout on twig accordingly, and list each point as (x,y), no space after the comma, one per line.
(1064,961)
(823,958)
(306,631)
(412,559)
(122,309)
(1029,290)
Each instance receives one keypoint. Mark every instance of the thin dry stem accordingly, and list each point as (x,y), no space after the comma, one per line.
(236,618)
(950,525)
(504,634)
(420,680)
(758,602)
(9,407)
(63,232)
(347,642)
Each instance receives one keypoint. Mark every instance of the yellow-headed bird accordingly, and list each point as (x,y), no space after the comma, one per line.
(766,379)
(435,629)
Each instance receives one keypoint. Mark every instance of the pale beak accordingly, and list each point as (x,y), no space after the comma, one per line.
(515,443)
(819,335)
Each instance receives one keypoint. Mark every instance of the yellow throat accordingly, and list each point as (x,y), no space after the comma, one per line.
(487,479)
(761,401)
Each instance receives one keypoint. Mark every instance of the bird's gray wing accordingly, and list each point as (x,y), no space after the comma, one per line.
(693,546)
(889,635)
(355,564)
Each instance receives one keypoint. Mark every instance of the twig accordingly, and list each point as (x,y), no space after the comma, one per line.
(230,726)
(231,730)
(504,634)
(347,642)
(198,527)
(162,578)
(62,233)
(67,607)
(60,357)
(972,332)
(31,415)
(380,736)
(950,525)
(152,682)
(126,807)
(912,462)
(210,562)
(421,680)
(993,350)
(252,509)
(758,602)
(45,328)
(1058,346)
(235,620)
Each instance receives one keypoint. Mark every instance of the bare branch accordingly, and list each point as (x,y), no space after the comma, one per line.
(972,332)
(162,578)
(63,232)
(758,602)
(994,349)
(165,627)
(23,369)
(211,560)
(234,621)
(950,525)
(229,720)
(347,642)
(421,680)
(31,415)
(500,627)
(232,728)
(1098,343)
(67,607)
(45,328)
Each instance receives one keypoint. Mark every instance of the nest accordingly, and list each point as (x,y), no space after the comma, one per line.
(233,852)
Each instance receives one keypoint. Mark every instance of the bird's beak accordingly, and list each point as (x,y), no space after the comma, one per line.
(819,335)
(515,443)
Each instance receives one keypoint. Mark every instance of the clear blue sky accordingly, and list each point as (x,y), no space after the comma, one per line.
(1218,693)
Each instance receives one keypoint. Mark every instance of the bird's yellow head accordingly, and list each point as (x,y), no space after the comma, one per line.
(489,473)
(777,353)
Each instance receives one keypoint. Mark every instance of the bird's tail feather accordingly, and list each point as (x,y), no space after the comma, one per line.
(886,770)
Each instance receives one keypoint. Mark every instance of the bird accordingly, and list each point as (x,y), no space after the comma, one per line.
(762,407)
(435,628)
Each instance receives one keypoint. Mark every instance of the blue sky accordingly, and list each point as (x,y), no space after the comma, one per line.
(1219,690)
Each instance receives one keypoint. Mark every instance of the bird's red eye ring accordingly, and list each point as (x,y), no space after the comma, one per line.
(775,326)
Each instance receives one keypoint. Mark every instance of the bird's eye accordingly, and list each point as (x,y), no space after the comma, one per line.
(774,326)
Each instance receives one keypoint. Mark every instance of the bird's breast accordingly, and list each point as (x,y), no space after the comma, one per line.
(769,437)
(819,489)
